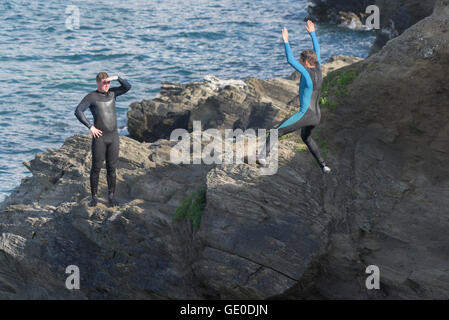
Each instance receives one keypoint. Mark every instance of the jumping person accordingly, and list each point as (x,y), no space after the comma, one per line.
(105,138)
(309,115)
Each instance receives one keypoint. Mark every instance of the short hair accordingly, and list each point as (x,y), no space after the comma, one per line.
(101,76)
(310,56)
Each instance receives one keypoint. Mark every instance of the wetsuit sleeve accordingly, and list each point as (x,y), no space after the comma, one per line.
(295,64)
(79,112)
(124,87)
(316,46)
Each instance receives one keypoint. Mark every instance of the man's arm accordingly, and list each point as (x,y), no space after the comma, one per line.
(292,61)
(79,112)
(125,86)
(316,47)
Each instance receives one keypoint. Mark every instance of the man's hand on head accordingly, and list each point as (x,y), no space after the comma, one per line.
(112,78)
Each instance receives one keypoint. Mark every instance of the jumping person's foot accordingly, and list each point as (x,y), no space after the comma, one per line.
(93,202)
(326,169)
(112,201)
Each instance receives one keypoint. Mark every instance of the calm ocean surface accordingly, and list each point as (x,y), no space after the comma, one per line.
(47,64)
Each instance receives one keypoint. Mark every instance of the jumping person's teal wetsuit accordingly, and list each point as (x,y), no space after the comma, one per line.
(309,114)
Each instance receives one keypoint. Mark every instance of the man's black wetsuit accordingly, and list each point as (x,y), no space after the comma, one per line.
(102,106)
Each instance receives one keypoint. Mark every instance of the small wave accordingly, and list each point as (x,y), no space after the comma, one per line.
(21,58)
(89,57)
(49,29)
(203,35)
(24,151)
(141,57)
(68,85)
(244,23)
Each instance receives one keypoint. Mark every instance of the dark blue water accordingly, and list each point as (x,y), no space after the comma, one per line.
(46,68)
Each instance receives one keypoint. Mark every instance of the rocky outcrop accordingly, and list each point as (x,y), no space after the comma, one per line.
(259,238)
(295,234)
(218,104)
(232,104)
(348,13)
(395,16)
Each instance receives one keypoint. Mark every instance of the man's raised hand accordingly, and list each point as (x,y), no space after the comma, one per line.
(285,34)
(310,26)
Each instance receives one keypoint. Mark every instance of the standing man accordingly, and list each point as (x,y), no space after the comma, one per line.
(309,113)
(105,138)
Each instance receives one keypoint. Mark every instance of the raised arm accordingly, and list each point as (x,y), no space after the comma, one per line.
(316,47)
(124,86)
(292,61)
(79,112)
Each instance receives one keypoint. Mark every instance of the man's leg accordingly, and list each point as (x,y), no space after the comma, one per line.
(98,154)
(112,152)
(282,131)
(306,135)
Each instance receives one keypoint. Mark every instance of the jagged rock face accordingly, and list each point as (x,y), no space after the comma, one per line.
(388,140)
(261,234)
(395,16)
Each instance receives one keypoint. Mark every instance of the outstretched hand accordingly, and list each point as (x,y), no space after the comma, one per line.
(285,34)
(310,26)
